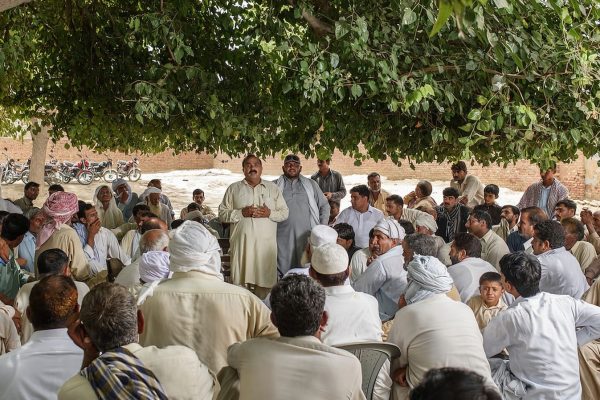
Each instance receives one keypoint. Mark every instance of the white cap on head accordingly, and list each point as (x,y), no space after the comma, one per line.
(427,221)
(329,259)
(322,234)
(391,228)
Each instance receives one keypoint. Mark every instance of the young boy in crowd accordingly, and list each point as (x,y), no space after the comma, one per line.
(489,303)
(490,194)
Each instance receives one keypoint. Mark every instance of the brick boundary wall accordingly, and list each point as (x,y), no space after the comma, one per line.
(581,176)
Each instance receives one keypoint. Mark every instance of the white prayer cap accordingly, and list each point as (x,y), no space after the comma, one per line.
(118,182)
(329,259)
(194,248)
(426,221)
(391,228)
(154,265)
(322,234)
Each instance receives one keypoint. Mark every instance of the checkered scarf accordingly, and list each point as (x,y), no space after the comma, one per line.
(119,375)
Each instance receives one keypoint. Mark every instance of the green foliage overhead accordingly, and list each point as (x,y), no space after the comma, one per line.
(496,80)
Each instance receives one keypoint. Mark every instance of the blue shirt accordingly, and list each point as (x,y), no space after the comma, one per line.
(27,251)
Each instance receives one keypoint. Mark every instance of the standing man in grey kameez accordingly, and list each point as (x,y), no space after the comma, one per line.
(310,208)
(330,181)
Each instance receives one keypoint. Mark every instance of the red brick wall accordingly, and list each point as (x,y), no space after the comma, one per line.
(515,177)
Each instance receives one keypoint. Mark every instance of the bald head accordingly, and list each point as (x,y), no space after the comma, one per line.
(154,223)
(154,240)
(51,302)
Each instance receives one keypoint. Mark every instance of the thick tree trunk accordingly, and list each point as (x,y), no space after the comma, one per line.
(38,156)
(6,4)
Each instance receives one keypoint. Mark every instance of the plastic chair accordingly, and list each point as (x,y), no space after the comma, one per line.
(371,355)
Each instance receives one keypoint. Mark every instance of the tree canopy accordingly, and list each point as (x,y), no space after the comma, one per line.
(493,80)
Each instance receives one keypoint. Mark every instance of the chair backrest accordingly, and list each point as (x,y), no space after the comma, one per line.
(371,355)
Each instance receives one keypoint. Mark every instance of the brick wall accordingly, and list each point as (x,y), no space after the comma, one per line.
(515,176)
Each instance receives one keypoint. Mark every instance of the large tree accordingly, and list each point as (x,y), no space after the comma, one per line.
(498,81)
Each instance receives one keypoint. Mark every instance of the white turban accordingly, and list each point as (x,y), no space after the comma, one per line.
(391,228)
(154,265)
(426,276)
(427,221)
(150,190)
(118,182)
(194,214)
(329,259)
(193,248)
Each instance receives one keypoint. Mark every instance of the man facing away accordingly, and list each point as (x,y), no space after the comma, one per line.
(296,365)
(39,368)
(330,181)
(470,188)
(544,193)
(541,332)
(196,308)
(310,208)
(360,215)
(254,207)
(115,366)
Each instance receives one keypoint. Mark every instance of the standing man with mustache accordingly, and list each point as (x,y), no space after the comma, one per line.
(254,207)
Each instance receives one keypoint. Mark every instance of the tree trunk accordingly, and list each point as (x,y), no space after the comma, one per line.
(38,156)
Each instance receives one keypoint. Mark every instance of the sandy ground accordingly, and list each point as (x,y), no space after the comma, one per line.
(178,185)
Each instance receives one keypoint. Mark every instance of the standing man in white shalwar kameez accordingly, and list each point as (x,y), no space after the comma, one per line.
(310,206)
(253,207)
(541,332)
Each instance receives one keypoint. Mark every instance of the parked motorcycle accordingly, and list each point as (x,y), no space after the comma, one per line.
(129,169)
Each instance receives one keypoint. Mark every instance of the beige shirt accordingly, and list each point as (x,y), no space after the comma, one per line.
(177,368)
(9,337)
(493,248)
(22,302)
(470,187)
(66,239)
(584,252)
(503,229)
(253,240)
(484,314)
(206,211)
(204,313)
(380,202)
(433,333)
(411,215)
(594,239)
(294,369)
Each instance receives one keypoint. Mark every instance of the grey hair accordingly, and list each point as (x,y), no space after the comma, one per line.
(109,315)
(33,212)
(421,244)
(153,240)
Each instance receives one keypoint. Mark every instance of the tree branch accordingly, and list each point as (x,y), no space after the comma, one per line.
(320,27)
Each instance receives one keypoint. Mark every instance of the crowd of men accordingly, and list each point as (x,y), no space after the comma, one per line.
(117,299)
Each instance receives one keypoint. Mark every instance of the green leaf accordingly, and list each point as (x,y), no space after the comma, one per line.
(139,118)
(471,65)
(443,15)
(467,127)
(482,100)
(474,115)
(335,60)
(356,90)
(341,29)
(409,16)
(501,3)
(484,125)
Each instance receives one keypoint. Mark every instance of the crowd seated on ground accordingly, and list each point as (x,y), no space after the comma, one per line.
(279,294)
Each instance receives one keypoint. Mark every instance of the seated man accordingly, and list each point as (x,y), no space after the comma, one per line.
(451,215)
(541,332)
(39,368)
(433,330)
(50,262)
(489,302)
(509,222)
(583,251)
(26,248)
(362,259)
(521,240)
(115,366)
(196,308)
(12,232)
(589,354)
(9,337)
(98,242)
(360,215)
(426,225)
(346,238)
(198,199)
(492,245)
(565,208)
(296,365)
(467,265)
(130,243)
(385,278)
(561,273)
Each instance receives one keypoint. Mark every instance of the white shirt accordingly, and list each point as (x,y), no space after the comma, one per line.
(561,273)
(39,368)
(466,274)
(106,246)
(539,334)
(358,263)
(353,316)
(6,205)
(362,223)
